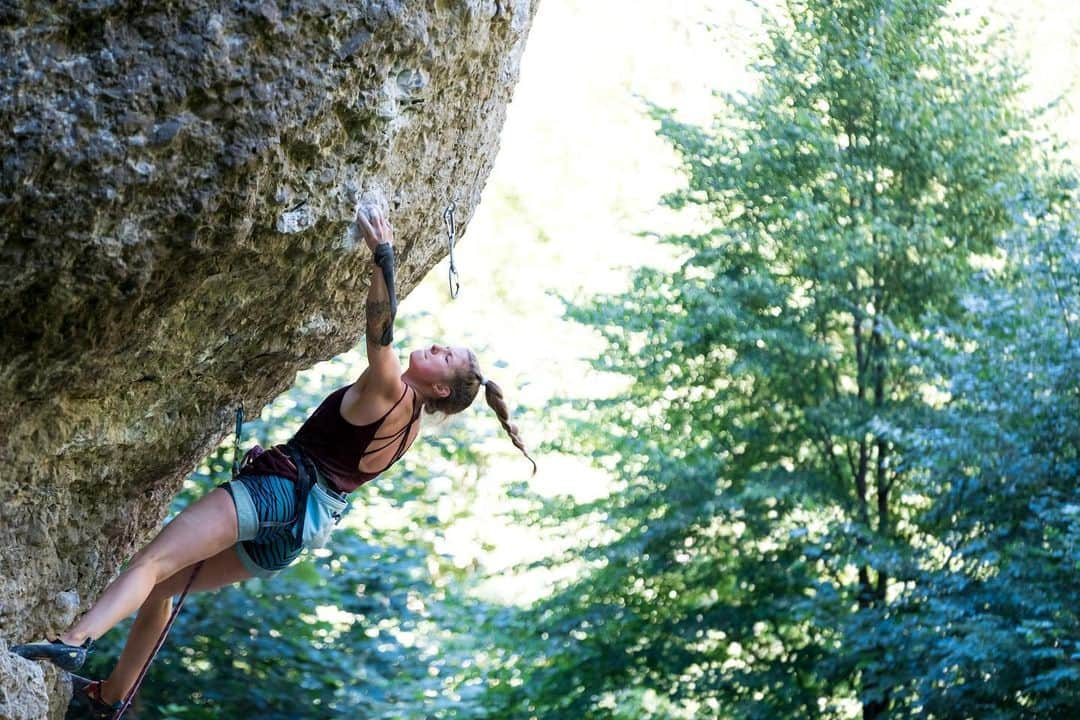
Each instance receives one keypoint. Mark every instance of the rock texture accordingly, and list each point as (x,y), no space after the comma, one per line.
(177,189)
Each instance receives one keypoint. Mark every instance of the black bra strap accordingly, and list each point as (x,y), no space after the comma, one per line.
(387,413)
(404,439)
(383,447)
(391,438)
(378,423)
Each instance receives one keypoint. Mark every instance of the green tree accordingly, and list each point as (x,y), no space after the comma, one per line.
(766,517)
(998,633)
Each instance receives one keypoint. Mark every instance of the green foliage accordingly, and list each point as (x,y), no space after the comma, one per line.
(998,596)
(780,520)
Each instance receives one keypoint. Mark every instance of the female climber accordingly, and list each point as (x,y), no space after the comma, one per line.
(257,524)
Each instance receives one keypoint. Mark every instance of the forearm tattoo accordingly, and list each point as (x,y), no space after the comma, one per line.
(380,322)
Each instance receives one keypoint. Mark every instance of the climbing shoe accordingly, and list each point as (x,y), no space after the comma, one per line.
(64,656)
(86,695)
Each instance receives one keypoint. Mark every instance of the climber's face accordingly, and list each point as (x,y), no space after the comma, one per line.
(436,367)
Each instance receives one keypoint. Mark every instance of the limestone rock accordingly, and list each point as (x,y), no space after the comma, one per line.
(177,185)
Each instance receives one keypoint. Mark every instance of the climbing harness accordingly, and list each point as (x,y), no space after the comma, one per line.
(318,510)
(187,588)
(451,230)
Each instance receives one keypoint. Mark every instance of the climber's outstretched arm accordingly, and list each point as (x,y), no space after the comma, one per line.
(384,368)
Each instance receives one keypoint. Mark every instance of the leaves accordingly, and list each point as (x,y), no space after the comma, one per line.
(818,408)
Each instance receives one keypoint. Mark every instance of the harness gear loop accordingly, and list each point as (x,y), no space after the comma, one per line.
(451,231)
(157,646)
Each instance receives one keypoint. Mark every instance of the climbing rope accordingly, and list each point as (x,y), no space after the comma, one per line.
(187,588)
(451,230)
(157,646)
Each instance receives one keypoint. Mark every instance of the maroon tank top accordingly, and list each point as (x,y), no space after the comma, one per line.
(336,446)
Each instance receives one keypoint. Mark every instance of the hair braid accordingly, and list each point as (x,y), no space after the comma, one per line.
(493,395)
(463,390)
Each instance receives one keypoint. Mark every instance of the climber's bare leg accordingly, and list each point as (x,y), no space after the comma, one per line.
(223,569)
(201,531)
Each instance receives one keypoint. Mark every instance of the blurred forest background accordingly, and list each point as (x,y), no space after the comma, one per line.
(786,296)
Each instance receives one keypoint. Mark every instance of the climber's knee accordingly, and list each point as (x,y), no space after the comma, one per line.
(149,568)
(139,557)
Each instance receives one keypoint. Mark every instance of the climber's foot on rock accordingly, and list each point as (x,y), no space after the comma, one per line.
(64,656)
(86,693)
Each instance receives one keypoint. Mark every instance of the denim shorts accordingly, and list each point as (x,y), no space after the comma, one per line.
(265,515)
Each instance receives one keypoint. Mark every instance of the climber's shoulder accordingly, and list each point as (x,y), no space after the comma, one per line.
(379,383)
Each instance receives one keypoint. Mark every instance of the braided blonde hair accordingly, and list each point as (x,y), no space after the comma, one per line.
(463,389)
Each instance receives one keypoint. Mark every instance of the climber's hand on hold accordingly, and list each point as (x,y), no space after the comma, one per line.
(382,299)
(374,227)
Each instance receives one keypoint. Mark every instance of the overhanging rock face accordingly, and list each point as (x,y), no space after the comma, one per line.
(177,189)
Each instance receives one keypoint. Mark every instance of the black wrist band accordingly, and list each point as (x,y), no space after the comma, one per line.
(383,251)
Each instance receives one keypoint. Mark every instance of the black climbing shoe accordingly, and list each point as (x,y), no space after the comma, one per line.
(64,656)
(86,695)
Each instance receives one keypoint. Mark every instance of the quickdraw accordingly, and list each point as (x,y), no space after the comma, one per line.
(451,231)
